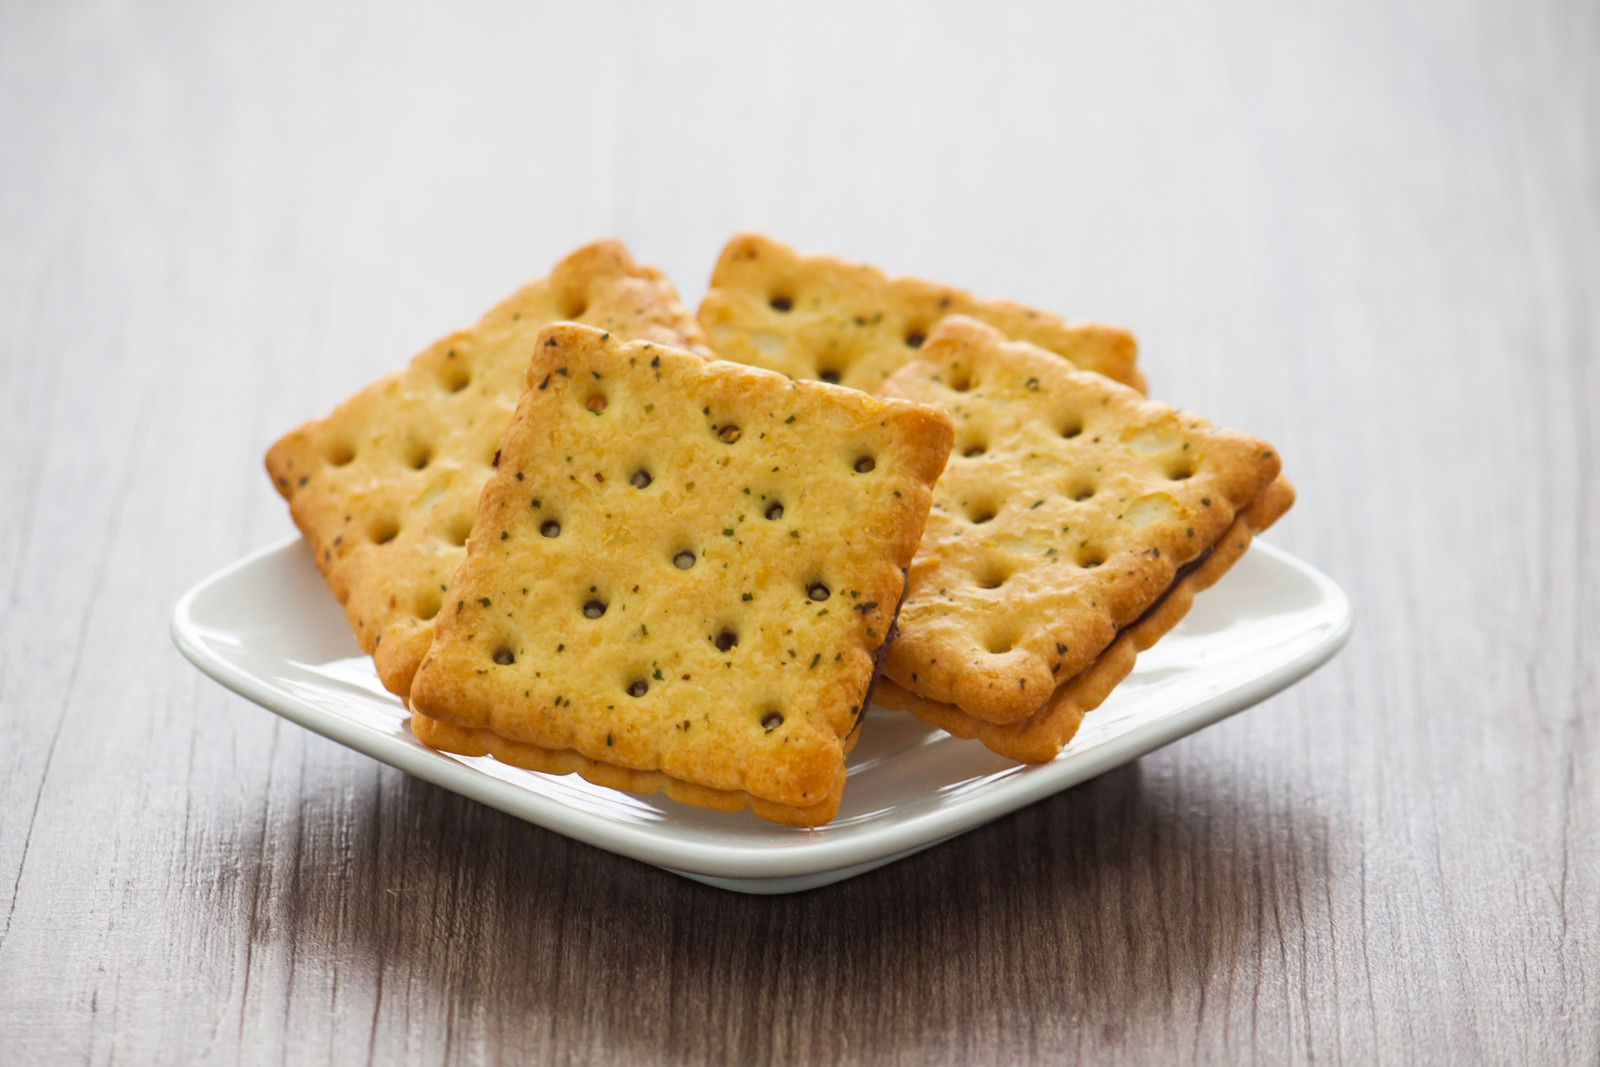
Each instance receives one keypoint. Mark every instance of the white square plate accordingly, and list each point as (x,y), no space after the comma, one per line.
(267,629)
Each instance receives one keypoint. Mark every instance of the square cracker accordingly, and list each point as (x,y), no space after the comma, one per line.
(1069,507)
(384,488)
(1041,736)
(832,320)
(681,576)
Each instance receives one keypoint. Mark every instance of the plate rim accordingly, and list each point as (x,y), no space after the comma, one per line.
(807,855)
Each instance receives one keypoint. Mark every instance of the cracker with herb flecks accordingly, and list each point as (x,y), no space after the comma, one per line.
(1041,736)
(1070,506)
(384,488)
(831,320)
(681,576)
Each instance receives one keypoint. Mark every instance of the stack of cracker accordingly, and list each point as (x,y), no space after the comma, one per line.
(581,540)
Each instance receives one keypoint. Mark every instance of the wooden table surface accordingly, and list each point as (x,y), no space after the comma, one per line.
(1368,232)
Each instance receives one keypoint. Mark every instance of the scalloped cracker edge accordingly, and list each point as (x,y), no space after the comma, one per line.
(469,741)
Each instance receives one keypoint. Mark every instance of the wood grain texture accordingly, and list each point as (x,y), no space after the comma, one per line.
(1367,232)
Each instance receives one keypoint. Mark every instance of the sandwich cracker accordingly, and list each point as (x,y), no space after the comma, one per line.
(1041,736)
(681,576)
(1069,508)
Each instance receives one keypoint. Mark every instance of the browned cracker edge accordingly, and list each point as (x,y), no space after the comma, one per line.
(473,741)
(1042,736)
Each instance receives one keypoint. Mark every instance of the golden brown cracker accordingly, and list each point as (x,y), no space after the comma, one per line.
(1068,507)
(1041,737)
(684,568)
(828,319)
(385,487)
